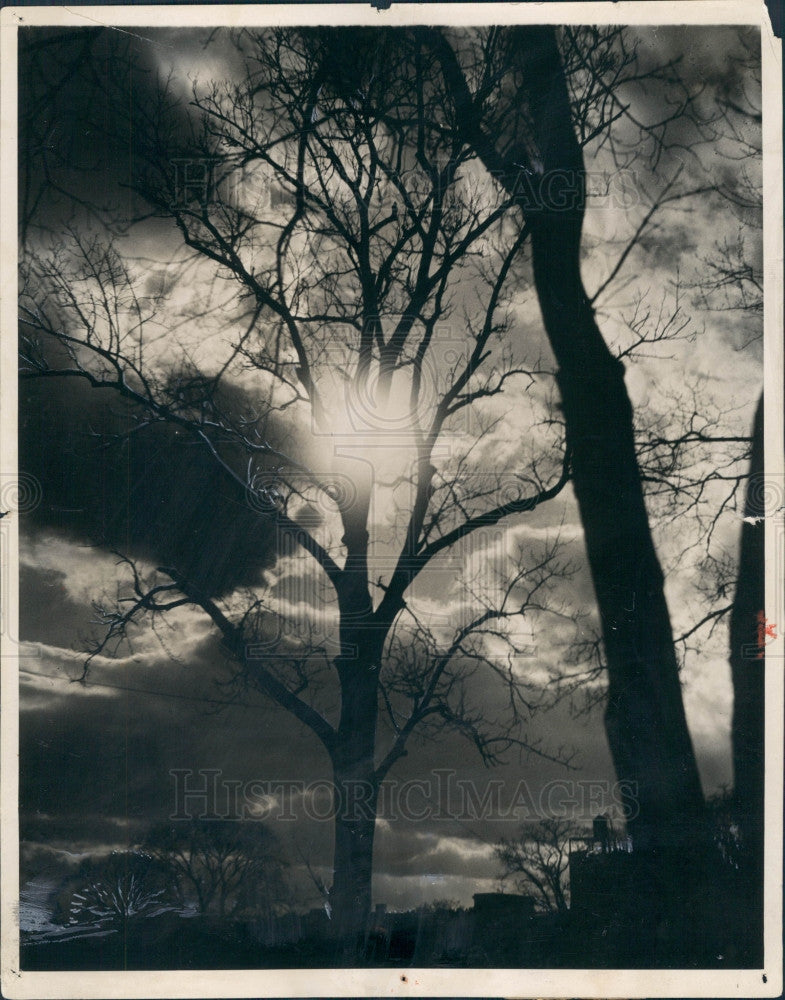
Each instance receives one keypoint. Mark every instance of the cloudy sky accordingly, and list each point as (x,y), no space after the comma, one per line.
(101,761)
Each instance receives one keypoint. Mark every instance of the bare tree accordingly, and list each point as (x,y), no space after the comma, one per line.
(537,860)
(379,236)
(228,866)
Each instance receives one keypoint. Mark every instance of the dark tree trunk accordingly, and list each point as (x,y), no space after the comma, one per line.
(355,824)
(746,658)
(645,720)
(356,794)
(748,676)
(356,790)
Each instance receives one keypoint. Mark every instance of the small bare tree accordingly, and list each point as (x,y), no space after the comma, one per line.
(229,867)
(538,861)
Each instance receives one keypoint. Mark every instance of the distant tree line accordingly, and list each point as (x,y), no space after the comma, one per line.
(216,867)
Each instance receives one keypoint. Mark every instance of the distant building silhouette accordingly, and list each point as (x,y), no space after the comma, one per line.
(602,872)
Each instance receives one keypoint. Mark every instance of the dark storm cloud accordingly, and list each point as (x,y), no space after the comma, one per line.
(714,64)
(152,494)
(99,754)
(93,756)
(710,55)
(105,751)
(156,495)
(67,831)
(447,851)
(77,88)
(47,613)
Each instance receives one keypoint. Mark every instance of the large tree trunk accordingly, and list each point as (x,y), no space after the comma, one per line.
(645,720)
(356,794)
(356,788)
(746,658)
(355,824)
(748,676)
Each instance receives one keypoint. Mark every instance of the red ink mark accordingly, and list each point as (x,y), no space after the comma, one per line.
(764,630)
